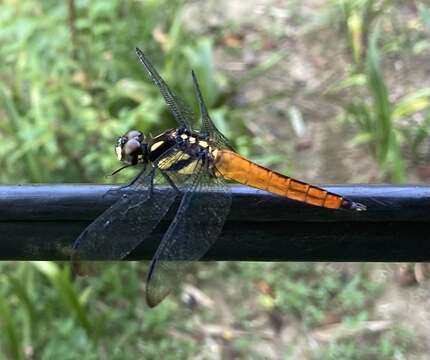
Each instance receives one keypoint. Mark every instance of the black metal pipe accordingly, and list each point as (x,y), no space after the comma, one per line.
(41,222)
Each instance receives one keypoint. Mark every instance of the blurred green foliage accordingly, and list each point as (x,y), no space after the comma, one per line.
(355,18)
(376,118)
(46,314)
(393,345)
(70,82)
(376,115)
(310,291)
(69,85)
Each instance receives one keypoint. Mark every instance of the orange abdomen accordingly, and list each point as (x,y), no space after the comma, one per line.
(232,166)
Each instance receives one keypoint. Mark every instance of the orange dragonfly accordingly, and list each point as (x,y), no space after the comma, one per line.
(194,166)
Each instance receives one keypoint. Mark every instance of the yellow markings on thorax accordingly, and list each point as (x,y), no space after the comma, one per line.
(184,136)
(215,154)
(166,162)
(118,151)
(189,169)
(156,145)
(170,160)
(203,144)
(192,140)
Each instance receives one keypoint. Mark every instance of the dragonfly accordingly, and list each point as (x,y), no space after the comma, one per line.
(194,166)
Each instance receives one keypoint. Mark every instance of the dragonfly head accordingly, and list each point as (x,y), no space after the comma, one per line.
(131,148)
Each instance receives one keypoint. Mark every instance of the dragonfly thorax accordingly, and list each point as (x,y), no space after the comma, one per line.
(185,148)
(133,148)
(193,142)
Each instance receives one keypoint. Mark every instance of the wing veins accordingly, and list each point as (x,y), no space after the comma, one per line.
(208,127)
(188,237)
(126,223)
(176,105)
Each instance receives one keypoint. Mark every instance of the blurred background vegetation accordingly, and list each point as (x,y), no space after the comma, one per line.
(330,91)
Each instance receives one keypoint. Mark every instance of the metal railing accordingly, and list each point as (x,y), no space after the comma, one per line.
(42,221)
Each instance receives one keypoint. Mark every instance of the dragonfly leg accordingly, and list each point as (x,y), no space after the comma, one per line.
(151,183)
(138,176)
(170,181)
(121,188)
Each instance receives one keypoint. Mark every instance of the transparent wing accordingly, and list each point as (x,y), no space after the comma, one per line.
(183,115)
(129,221)
(208,127)
(198,223)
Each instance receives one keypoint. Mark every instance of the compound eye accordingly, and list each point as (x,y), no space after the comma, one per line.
(131,147)
(134,134)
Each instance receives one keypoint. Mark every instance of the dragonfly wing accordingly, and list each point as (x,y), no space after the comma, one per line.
(208,127)
(129,221)
(198,223)
(178,108)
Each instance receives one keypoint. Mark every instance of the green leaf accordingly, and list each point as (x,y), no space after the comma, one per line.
(412,103)
(362,138)
(353,80)
(10,330)
(200,59)
(355,27)
(381,104)
(60,279)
